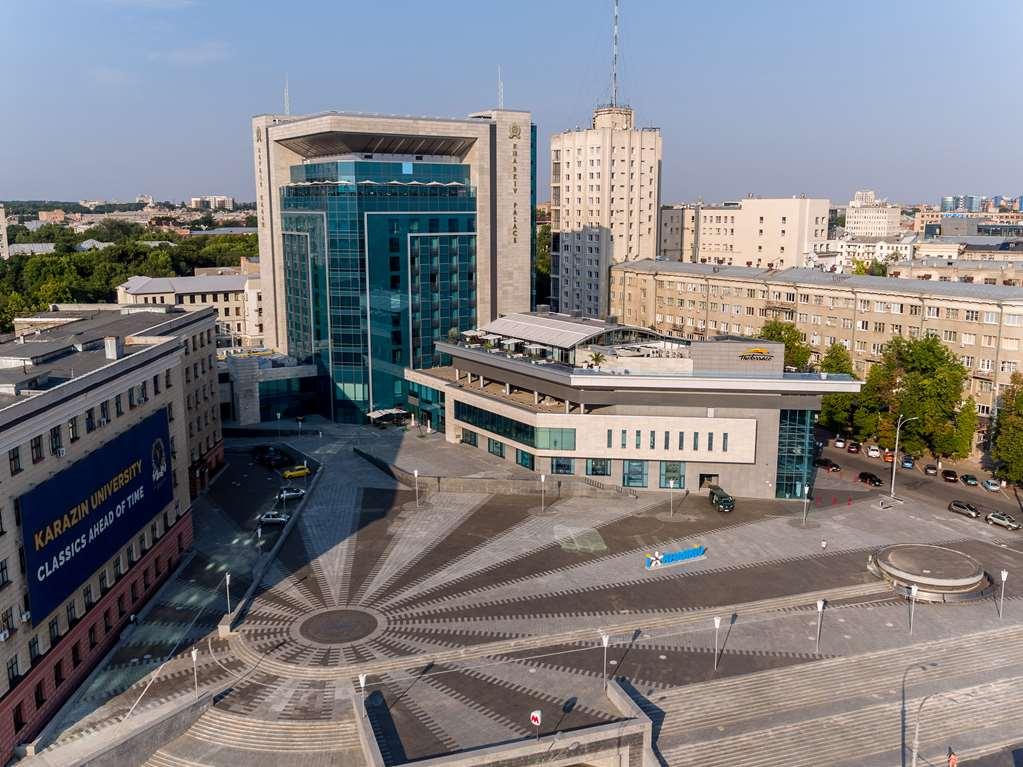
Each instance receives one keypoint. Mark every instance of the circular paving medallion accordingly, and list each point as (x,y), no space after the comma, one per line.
(338,626)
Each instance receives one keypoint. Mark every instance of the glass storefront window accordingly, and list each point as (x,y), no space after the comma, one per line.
(522,458)
(634,473)
(523,433)
(598,467)
(795,453)
(673,470)
(562,466)
(495,447)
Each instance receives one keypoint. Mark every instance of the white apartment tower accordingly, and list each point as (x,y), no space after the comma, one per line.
(867,216)
(605,201)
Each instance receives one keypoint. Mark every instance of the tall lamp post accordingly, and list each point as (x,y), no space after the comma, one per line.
(820,618)
(898,427)
(415,473)
(543,482)
(195,671)
(806,501)
(227,585)
(912,604)
(919,713)
(717,626)
(671,498)
(1001,599)
(605,639)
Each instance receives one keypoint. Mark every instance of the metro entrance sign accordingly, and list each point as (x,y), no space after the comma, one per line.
(535,718)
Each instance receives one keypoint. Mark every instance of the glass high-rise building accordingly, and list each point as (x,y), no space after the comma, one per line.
(380,236)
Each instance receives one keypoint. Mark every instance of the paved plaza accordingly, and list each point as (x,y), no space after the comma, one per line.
(470,610)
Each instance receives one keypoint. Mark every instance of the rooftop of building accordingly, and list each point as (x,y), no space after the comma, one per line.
(562,331)
(803,276)
(964,264)
(211,283)
(989,240)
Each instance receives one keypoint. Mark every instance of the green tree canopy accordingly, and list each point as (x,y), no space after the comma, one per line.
(837,409)
(797,353)
(1007,447)
(542,263)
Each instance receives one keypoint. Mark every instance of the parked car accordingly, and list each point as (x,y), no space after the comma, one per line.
(274,518)
(931,470)
(869,478)
(827,464)
(907,462)
(873,451)
(969,480)
(296,472)
(721,500)
(290,493)
(964,508)
(949,476)
(839,442)
(1002,519)
(889,456)
(853,447)
(991,485)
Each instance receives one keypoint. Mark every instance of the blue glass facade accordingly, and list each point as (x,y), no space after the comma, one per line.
(795,452)
(379,263)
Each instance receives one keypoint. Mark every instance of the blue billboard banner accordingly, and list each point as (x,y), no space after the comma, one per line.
(77,520)
(657,559)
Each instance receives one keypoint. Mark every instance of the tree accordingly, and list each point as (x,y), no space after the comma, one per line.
(837,409)
(597,358)
(797,353)
(917,378)
(1007,446)
(542,263)
(872,268)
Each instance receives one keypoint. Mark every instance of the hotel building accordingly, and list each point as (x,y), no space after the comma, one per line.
(981,323)
(625,406)
(378,236)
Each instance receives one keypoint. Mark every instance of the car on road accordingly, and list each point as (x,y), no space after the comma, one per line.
(839,442)
(273,518)
(907,462)
(1002,519)
(991,485)
(827,464)
(869,478)
(296,472)
(853,447)
(931,470)
(873,451)
(964,508)
(721,500)
(969,480)
(290,493)
(888,457)
(949,476)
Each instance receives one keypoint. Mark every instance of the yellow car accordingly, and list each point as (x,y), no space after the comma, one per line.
(296,472)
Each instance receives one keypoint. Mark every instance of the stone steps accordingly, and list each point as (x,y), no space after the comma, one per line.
(278,736)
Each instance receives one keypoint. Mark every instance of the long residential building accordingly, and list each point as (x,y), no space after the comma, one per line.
(605,201)
(100,441)
(982,324)
(379,235)
(624,406)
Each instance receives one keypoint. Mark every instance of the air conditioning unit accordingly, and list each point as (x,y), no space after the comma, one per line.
(26,616)
(102,421)
(5,635)
(61,451)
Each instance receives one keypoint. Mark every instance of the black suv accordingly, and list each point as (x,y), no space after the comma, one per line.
(721,500)
(869,478)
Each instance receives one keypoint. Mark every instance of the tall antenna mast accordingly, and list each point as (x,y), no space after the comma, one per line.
(614,60)
(500,89)
(287,99)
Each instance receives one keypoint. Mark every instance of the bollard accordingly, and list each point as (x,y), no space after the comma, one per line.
(849,501)
(834,500)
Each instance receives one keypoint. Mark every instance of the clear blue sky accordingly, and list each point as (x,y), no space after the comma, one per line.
(110,98)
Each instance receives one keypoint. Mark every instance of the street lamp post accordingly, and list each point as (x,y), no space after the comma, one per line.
(543,482)
(362,684)
(912,604)
(717,626)
(227,584)
(415,473)
(1001,599)
(671,498)
(195,671)
(919,713)
(895,462)
(605,639)
(806,501)
(278,427)
(820,618)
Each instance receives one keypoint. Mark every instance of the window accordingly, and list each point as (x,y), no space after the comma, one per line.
(724,442)
(561,465)
(72,429)
(90,420)
(87,596)
(681,440)
(104,412)
(634,473)
(522,458)
(37,449)
(653,439)
(639,439)
(469,438)
(609,437)
(598,467)
(56,441)
(12,672)
(672,472)
(71,611)
(118,406)
(33,649)
(5,578)
(58,673)
(696,440)
(14,460)
(76,654)
(495,447)
(54,628)
(92,638)
(625,438)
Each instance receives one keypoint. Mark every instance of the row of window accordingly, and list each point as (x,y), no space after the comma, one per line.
(539,437)
(668,441)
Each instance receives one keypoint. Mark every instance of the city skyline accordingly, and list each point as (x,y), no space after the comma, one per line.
(164,90)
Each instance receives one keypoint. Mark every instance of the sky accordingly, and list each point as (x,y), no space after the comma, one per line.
(916,98)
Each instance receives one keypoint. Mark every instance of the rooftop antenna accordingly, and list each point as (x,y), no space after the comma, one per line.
(614,59)
(287,98)
(500,89)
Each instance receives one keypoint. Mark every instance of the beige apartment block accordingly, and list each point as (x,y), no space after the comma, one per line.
(236,299)
(605,202)
(982,324)
(934,216)
(673,222)
(970,248)
(1009,273)
(873,219)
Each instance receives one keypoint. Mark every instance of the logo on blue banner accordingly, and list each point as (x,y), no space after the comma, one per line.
(657,559)
(77,520)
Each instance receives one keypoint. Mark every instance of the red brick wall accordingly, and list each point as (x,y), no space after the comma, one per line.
(167,551)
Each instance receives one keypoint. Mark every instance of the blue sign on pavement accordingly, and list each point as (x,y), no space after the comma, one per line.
(657,559)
